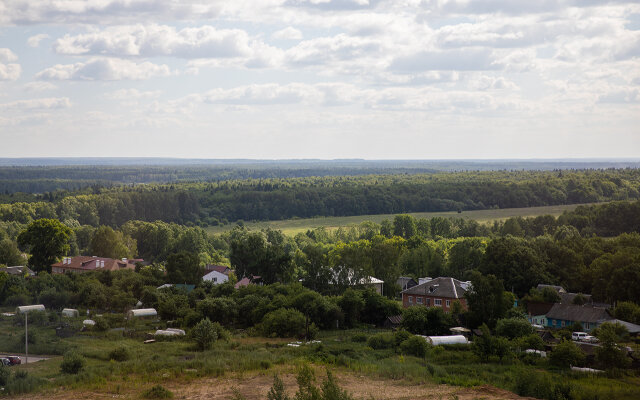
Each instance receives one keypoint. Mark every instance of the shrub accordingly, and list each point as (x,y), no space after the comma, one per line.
(120,353)
(72,363)
(331,390)
(204,334)
(101,324)
(359,338)
(381,341)
(157,392)
(566,354)
(277,390)
(513,328)
(533,341)
(415,346)
(401,336)
(5,375)
(284,322)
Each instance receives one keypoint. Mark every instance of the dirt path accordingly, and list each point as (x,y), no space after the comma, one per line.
(255,387)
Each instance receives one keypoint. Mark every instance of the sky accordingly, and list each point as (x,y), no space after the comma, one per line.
(272,79)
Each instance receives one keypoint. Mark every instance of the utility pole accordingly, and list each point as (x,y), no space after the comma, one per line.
(26,337)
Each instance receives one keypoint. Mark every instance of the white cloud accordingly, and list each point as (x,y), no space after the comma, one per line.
(289,33)
(9,71)
(39,86)
(133,94)
(34,41)
(104,69)
(51,103)
(6,55)
(28,12)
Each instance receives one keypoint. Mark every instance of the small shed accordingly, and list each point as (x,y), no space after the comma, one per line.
(26,309)
(70,312)
(142,313)
(450,339)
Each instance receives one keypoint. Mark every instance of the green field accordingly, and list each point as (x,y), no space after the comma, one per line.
(295,226)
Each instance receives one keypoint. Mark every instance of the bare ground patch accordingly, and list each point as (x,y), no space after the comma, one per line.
(256,386)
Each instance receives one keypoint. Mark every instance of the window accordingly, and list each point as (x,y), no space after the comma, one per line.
(215,279)
(587,326)
(437,302)
(419,300)
(410,299)
(562,323)
(448,303)
(428,303)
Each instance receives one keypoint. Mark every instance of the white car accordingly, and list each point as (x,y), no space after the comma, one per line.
(579,336)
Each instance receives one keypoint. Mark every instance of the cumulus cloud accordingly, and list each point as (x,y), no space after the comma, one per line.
(28,12)
(289,32)
(104,69)
(7,55)
(128,94)
(9,71)
(51,103)
(34,41)
(158,40)
(39,86)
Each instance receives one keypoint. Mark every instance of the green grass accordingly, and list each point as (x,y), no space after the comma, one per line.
(295,226)
(177,363)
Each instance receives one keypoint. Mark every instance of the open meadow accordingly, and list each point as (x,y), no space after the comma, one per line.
(244,366)
(294,226)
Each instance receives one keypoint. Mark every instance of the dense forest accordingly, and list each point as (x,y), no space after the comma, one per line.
(211,203)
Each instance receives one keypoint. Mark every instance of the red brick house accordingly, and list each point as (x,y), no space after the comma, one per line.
(88,263)
(438,292)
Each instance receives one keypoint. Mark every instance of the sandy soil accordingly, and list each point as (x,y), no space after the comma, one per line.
(255,387)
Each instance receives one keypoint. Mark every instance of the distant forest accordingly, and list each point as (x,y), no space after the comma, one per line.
(42,175)
(214,202)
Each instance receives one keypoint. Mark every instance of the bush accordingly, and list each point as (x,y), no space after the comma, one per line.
(359,338)
(157,392)
(277,391)
(5,375)
(513,328)
(284,322)
(415,346)
(401,336)
(382,341)
(72,363)
(566,354)
(120,353)
(533,341)
(204,334)
(101,324)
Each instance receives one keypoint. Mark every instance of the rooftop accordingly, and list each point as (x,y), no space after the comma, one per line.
(443,287)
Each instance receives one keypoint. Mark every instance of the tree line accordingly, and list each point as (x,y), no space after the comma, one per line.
(212,203)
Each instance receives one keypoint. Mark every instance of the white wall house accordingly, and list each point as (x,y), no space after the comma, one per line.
(215,277)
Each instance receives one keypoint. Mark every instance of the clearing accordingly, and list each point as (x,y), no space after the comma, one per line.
(256,386)
(295,226)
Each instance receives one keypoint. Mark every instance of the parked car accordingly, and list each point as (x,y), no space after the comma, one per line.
(591,339)
(579,336)
(5,361)
(15,360)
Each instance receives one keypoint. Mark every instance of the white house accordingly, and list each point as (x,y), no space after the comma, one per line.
(215,277)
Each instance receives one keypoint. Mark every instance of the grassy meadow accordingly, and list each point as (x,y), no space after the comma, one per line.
(295,226)
(228,365)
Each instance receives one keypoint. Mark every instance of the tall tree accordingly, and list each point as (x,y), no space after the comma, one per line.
(113,244)
(486,299)
(184,267)
(47,240)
